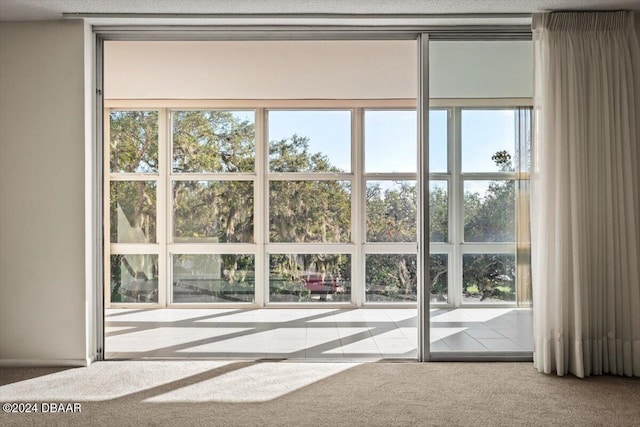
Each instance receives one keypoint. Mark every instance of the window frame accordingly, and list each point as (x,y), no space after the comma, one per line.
(358,248)
(133,248)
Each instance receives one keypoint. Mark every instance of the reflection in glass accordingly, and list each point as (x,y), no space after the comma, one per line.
(133,211)
(213,211)
(134,278)
(133,144)
(488,278)
(391,277)
(390,141)
(391,211)
(309,211)
(438,276)
(309,141)
(309,278)
(489,211)
(213,141)
(488,140)
(209,278)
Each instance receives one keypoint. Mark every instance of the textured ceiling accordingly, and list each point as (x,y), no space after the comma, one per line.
(23,10)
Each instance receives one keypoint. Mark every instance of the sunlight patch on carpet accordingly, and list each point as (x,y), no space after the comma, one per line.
(257,383)
(104,380)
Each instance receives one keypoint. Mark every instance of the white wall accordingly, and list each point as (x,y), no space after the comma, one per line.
(314,70)
(260,70)
(43,317)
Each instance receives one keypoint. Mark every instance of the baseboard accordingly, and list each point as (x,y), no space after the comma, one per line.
(43,363)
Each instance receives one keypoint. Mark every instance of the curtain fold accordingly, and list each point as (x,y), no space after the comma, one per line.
(585,194)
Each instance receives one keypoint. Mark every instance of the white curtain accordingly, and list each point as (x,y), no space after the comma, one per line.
(585,194)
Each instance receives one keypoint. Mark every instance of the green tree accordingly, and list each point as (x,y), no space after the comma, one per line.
(134,141)
(212,141)
(213,211)
(391,213)
(306,211)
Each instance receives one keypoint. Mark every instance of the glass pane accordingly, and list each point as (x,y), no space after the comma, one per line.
(391,211)
(488,278)
(390,141)
(309,211)
(438,271)
(488,140)
(399,129)
(489,211)
(134,278)
(213,211)
(391,278)
(309,141)
(134,141)
(438,211)
(133,211)
(213,278)
(213,141)
(310,278)
(438,135)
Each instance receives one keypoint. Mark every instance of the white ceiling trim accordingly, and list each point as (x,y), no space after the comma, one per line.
(377,20)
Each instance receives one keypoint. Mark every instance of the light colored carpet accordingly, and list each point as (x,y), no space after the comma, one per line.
(272,393)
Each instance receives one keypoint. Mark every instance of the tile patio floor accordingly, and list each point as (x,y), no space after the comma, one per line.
(313,333)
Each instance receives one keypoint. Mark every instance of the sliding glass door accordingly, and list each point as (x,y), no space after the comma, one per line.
(480,302)
(409,198)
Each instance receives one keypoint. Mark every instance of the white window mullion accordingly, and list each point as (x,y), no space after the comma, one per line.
(440,248)
(488,248)
(213,177)
(214,248)
(311,248)
(358,200)
(134,177)
(134,248)
(163,209)
(452,233)
(391,176)
(310,176)
(390,248)
(265,207)
(490,176)
(456,211)
(260,208)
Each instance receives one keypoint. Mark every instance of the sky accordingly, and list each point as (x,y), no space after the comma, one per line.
(329,132)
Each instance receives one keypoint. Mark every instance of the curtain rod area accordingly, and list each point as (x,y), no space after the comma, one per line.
(306,26)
